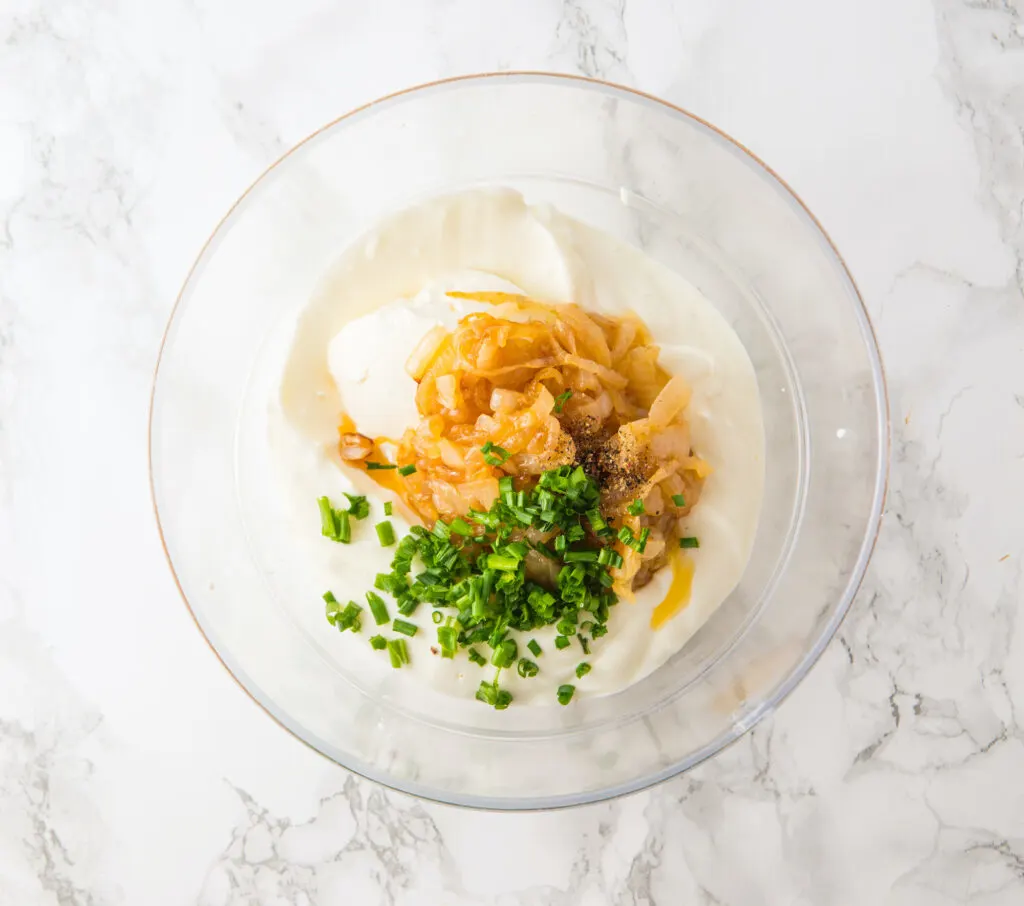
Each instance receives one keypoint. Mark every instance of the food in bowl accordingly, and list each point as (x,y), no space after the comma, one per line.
(550,445)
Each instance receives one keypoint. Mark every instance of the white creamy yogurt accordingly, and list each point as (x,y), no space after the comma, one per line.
(349,354)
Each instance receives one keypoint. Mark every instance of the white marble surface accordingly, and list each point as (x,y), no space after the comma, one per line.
(134,771)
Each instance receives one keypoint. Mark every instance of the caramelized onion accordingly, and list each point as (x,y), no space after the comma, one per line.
(562,387)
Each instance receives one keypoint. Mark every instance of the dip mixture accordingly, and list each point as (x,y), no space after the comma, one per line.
(532,458)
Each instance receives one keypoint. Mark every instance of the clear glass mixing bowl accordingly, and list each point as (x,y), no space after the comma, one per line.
(650,174)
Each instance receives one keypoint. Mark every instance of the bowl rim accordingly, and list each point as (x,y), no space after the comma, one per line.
(853,585)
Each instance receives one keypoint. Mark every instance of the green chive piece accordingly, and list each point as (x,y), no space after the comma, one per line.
(487,693)
(398,652)
(448,639)
(565,694)
(358,506)
(476,657)
(404,627)
(625,534)
(460,527)
(636,508)
(679,500)
(385,533)
(502,700)
(343,618)
(561,400)
(527,668)
(407,604)
(333,607)
(505,653)
(437,616)
(535,649)
(689,541)
(378,642)
(378,608)
(597,522)
(344,533)
(406,471)
(561,642)
(327,527)
(378,466)
(387,507)
(641,543)
(582,670)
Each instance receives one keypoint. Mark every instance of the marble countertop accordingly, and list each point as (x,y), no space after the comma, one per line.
(134,771)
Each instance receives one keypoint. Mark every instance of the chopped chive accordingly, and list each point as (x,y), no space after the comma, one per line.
(505,653)
(625,534)
(502,563)
(378,608)
(404,627)
(494,455)
(358,506)
(640,544)
(487,693)
(385,534)
(333,607)
(379,466)
(405,471)
(378,642)
(448,639)
(566,626)
(565,694)
(582,669)
(679,500)
(398,652)
(471,573)
(561,400)
(636,508)
(527,668)
(343,618)
(327,526)
(597,522)
(344,532)
(350,617)
(689,541)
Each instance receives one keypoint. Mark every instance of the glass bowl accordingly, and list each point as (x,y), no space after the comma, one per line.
(648,173)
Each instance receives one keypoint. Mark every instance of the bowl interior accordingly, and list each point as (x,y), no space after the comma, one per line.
(637,169)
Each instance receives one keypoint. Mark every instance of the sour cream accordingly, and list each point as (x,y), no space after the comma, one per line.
(348,355)
(367,356)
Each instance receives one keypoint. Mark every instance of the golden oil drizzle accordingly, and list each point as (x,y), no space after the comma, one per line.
(678,595)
